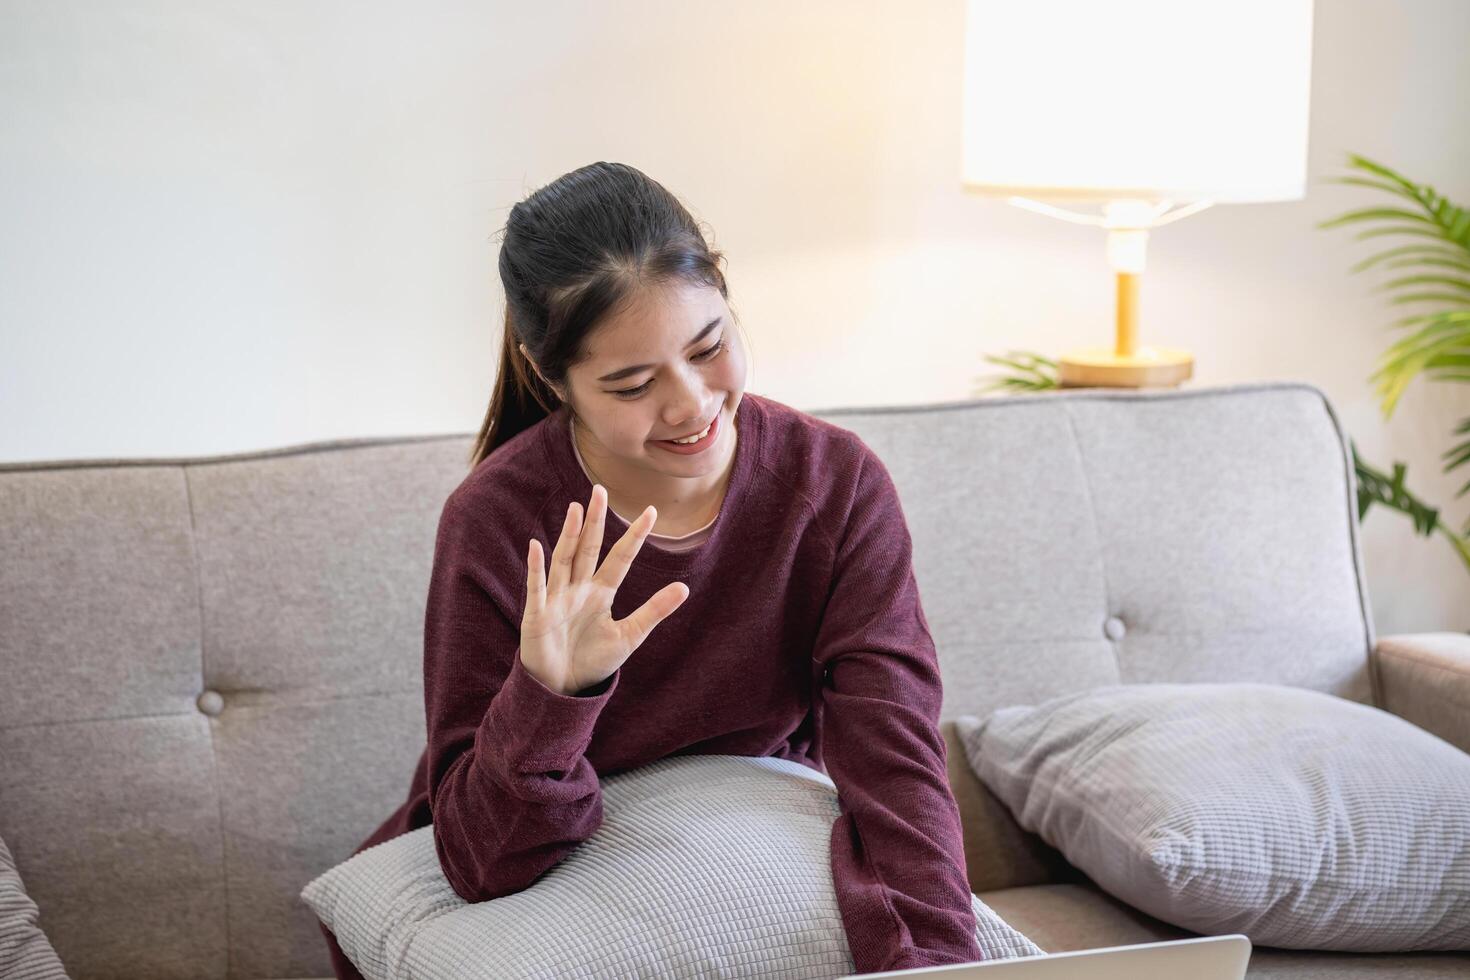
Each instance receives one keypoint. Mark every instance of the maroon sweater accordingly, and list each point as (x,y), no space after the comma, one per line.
(802,638)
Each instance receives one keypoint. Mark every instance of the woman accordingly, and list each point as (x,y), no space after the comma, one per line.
(773,612)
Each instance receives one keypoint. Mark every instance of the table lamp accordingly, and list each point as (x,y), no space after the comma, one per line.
(1139,105)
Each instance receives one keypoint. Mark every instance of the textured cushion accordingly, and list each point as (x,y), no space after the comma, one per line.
(1300,819)
(703,865)
(25,952)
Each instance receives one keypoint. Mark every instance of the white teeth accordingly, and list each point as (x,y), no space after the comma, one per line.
(694,438)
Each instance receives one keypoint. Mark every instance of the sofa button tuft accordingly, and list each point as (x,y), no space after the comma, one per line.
(211,703)
(1114,628)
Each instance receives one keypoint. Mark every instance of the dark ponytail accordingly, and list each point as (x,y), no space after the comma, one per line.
(573,253)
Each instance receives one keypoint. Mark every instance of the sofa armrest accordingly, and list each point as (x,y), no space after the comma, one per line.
(1425,678)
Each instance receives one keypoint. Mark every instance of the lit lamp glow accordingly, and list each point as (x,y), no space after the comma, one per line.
(1137,105)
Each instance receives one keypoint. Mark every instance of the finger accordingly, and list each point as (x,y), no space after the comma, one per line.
(591,540)
(615,566)
(535,580)
(641,621)
(562,554)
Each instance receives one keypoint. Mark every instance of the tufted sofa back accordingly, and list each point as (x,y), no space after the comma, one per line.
(210,684)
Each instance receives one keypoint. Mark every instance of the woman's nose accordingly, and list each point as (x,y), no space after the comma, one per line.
(688,402)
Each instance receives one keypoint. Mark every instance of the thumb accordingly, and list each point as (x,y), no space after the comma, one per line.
(641,621)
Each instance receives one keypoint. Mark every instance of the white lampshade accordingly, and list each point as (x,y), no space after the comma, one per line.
(1146,99)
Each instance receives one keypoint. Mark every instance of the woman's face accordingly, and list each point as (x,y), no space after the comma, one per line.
(664,367)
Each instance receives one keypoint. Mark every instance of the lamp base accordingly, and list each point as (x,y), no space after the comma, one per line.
(1100,367)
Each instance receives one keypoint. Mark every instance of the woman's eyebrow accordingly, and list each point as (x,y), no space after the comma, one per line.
(624,372)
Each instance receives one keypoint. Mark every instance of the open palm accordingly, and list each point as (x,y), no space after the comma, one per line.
(569,640)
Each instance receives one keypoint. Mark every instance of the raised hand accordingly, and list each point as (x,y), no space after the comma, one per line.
(569,640)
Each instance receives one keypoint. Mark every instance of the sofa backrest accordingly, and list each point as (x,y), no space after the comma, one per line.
(210,686)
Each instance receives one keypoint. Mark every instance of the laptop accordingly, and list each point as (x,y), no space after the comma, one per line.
(1204,958)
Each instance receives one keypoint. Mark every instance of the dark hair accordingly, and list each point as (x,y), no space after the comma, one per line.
(573,253)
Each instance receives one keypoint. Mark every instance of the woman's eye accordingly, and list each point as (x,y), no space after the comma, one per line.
(708,354)
(633,392)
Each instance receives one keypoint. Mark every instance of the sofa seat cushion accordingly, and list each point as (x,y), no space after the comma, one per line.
(1066,917)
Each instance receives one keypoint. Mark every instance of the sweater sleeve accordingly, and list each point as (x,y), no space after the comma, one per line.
(511,791)
(898,861)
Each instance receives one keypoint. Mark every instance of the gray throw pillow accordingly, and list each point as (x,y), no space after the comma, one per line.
(1297,818)
(704,865)
(25,952)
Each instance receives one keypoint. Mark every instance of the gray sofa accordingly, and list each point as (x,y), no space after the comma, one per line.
(212,682)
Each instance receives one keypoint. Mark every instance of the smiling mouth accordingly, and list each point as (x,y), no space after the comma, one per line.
(694,433)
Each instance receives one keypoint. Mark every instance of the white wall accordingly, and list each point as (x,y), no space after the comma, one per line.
(231,226)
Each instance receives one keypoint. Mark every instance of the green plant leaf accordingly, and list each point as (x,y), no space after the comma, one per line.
(1423,347)
(1452,221)
(1457,456)
(1438,347)
(1450,281)
(1406,358)
(1035,372)
(1016,384)
(1013,362)
(1377,185)
(1431,334)
(1429,251)
(1447,263)
(1375,487)
(1376,214)
(1431,231)
(1363,163)
(1451,316)
(1427,298)
(1455,220)
(1032,357)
